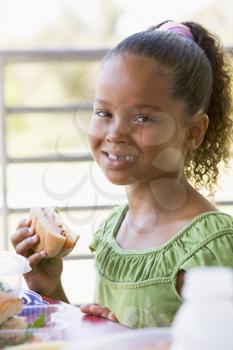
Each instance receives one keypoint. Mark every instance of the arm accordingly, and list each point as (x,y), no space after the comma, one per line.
(180,281)
(45,277)
(94,308)
(98,310)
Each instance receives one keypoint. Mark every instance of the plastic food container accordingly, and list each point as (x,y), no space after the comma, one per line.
(51,326)
(12,268)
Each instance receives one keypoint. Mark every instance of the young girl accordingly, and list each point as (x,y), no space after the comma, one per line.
(161,122)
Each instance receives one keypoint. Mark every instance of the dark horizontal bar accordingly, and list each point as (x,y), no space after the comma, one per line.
(50,159)
(74,208)
(84,107)
(227,203)
(79,257)
(45,55)
(94,207)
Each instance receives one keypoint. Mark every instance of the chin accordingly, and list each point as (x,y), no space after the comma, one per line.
(121,181)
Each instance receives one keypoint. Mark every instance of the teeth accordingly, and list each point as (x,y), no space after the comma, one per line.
(112,156)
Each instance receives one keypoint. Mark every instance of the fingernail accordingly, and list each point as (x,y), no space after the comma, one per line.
(30,230)
(111,316)
(43,253)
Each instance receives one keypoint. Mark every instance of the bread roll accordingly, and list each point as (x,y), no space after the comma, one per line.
(55,237)
(9,306)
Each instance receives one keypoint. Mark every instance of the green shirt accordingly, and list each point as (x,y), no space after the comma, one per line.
(139,286)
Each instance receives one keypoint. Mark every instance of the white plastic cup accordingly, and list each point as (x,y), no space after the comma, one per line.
(204,321)
(12,268)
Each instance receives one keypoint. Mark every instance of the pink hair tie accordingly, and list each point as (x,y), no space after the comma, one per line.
(178,28)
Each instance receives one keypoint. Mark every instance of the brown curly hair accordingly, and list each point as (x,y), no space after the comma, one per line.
(201,74)
(202,165)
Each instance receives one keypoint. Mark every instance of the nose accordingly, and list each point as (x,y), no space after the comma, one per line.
(118,132)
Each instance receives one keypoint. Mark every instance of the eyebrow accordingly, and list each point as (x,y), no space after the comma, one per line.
(148,106)
(140,105)
(102,101)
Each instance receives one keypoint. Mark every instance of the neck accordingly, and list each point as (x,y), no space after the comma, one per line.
(156,199)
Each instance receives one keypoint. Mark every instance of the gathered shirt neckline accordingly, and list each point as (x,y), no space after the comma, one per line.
(119,219)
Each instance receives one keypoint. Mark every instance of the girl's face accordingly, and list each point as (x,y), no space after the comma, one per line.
(137,132)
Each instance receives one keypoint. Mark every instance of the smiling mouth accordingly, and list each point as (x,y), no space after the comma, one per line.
(119,157)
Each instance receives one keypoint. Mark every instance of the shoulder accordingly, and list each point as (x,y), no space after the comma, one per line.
(115,217)
(212,223)
(108,224)
(210,241)
(205,228)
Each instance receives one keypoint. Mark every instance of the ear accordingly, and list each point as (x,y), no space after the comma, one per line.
(196,130)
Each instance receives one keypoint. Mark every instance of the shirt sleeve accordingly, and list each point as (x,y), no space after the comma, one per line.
(216,252)
(102,230)
(96,238)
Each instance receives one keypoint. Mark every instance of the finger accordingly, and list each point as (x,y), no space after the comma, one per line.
(35,258)
(112,317)
(102,311)
(25,246)
(85,308)
(98,310)
(21,234)
(24,222)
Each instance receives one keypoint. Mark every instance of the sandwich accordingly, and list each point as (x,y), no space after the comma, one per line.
(9,307)
(16,328)
(54,237)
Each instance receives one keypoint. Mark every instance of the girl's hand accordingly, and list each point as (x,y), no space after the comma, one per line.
(45,275)
(98,310)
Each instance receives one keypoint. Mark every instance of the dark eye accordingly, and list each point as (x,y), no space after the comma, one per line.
(102,114)
(142,119)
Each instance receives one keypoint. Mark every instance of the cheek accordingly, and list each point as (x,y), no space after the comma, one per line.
(159,132)
(95,133)
(169,160)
